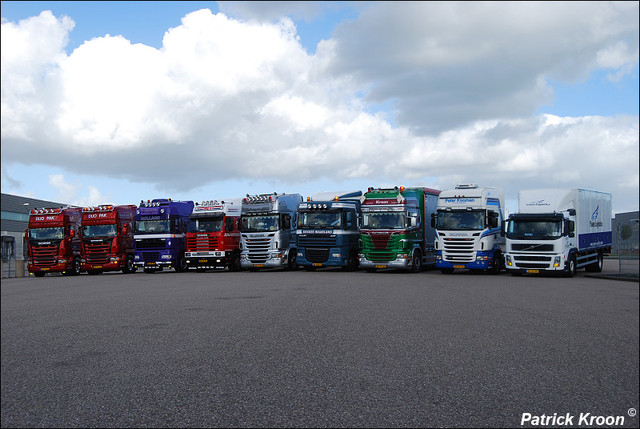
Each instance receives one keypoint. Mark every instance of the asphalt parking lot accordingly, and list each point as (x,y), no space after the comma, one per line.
(316,349)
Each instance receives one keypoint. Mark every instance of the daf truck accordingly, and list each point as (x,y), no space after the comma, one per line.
(558,231)
(160,230)
(53,241)
(395,231)
(268,225)
(468,224)
(107,238)
(329,230)
(213,236)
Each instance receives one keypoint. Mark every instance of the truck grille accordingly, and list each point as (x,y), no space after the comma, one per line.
(150,243)
(458,249)
(44,256)
(317,255)
(528,261)
(258,249)
(150,256)
(317,240)
(524,247)
(202,244)
(97,253)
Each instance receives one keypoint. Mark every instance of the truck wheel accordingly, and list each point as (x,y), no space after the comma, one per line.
(181,265)
(235,262)
(75,268)
(292,263)
(571,266)
(128,265)
(416,262)
(496,264)
(352,263)
(596,267)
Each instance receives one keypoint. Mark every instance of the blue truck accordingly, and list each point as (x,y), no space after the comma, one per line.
(159,234)
(329,230)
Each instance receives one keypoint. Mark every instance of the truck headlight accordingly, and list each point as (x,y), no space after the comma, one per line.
(556,261)
(507,259)
(165,257)
(336,255)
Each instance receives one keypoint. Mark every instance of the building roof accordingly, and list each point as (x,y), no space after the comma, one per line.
(16,204)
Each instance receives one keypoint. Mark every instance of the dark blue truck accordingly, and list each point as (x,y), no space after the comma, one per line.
(329,230)
(160,230)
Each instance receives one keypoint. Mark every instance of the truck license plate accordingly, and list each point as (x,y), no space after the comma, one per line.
(44,269)
(202,261)
(151,263)
(458,266)
(381,266)
(97,266)
(533,271)
(258,265)
(317,264)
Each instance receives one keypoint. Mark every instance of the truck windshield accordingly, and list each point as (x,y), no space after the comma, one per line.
(260,223)
(206,224)
(56,233)
(384,220)
(461,220)
(153,226)
(99,231)
(320,220)
(534,229)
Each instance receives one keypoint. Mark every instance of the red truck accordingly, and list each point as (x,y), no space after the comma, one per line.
(213,237)
(53,241)
(107,238)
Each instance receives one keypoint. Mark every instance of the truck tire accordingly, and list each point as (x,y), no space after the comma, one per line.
(129,267)
(352,263)
(416,262)
(75,268)
(496,264)
(596,267)
(571,266)
(181,265)
(292,263)
(235,262)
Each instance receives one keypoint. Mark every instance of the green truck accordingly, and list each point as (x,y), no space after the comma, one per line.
(396,231)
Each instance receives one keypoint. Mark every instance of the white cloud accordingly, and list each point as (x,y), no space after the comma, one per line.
(225,99)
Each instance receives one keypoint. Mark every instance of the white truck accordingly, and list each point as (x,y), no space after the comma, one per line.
(468,229)
(268,225)
(558,230)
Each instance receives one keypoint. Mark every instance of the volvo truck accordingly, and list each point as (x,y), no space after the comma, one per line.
(468,224)
(213,236)
(160,229)
(107,238)
(329,230)
(395,230)
(53,241)
(558,231)
(268,225)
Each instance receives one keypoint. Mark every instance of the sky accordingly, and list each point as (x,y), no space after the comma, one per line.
(117,102)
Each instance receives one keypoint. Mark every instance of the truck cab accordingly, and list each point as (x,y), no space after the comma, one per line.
(329,229)
(107,238)
(53,241)
(268,225)
(160,230)
(468,229)
(213,236)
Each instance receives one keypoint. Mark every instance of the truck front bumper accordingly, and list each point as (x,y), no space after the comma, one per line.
(400,263)
(206,260)
(483,260)
(534,264)
(336,258)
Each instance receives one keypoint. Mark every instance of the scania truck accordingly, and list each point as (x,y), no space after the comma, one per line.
(558,231)
(53,241)
(468,229)
(329,230)
(107,238)
(160,229)
(395,231)
(268,225)
(213,237)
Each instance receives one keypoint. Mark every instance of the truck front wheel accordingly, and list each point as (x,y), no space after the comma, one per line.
(416,262)
(128,265)
(571,266)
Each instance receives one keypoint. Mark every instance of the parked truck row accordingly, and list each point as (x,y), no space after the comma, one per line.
(553,231)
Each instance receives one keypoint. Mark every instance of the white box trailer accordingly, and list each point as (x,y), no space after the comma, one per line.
(558,230)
